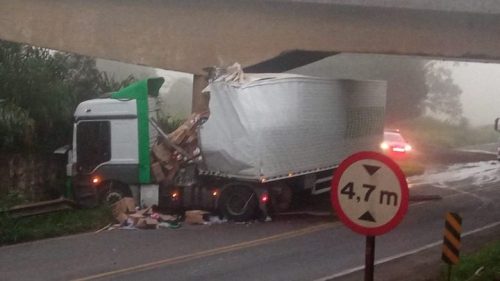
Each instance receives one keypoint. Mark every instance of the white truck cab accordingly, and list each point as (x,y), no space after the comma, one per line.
(111,143)
(102,134)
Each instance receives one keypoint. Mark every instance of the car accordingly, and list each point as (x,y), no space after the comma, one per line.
(394,144)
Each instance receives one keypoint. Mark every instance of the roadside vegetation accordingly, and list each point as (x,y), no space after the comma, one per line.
(483,265)
(430,131)
(16,230)
(411,167)
(39,90)
(169,123)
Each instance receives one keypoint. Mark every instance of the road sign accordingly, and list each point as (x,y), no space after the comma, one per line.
(451,239)
(369,193)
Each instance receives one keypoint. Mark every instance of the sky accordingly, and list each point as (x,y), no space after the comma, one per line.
(480,84)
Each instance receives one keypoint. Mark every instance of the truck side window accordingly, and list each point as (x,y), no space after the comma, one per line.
(93,144)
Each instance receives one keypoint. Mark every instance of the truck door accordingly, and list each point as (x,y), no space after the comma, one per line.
(93,145)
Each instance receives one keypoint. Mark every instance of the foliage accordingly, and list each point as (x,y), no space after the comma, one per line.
(411,167)
(46,86)
(414,86)
(54,224)
(443,97)
(169,123)
(8,226)
(481,266)
(16,126)
(108,84)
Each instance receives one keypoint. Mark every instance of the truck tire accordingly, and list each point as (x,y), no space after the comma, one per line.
(238,202)
(113,191)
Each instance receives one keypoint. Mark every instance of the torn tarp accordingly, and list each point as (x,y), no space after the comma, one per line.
(274,125)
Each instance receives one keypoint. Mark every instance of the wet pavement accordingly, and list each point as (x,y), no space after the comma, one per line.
(307,243)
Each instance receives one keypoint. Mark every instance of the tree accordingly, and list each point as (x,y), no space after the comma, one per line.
(16,127)
(413,85)
(443,97)
(45,86)
(108,84)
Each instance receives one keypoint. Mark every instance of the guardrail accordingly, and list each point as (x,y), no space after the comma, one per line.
(43,207)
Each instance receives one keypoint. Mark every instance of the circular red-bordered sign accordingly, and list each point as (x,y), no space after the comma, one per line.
(369,193)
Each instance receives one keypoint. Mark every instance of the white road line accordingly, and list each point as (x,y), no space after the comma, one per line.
(404,254)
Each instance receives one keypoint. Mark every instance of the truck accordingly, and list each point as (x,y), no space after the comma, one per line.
(265,138)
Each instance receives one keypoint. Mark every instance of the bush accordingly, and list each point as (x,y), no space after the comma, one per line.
(16,127)
(8,225)
(483,265)
(16,230)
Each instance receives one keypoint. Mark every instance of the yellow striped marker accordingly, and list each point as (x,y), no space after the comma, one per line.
(451,240)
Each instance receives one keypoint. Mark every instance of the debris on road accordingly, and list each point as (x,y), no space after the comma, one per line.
(123,208)
(177,148)
(196,217)
(129,217)
(103,228)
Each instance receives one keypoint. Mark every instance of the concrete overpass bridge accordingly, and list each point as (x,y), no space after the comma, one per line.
(262,35)
(188,35)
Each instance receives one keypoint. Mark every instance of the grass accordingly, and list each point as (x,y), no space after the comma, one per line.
(52,225)
(469,268)
(411,167)
(427,130)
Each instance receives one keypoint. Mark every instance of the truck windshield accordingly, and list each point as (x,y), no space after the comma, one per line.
(93,139)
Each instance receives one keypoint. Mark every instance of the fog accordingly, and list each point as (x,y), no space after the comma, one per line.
(480,84)
(175,94)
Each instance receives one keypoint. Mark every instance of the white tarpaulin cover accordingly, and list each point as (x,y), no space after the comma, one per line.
(273,125)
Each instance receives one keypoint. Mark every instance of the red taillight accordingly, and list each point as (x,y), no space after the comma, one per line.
(264,197)
(215,193)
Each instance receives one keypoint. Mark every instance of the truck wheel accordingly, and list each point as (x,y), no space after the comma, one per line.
(281,197)
(112,192)
(238,202)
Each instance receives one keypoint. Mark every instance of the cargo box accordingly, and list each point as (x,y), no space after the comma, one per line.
(267,127)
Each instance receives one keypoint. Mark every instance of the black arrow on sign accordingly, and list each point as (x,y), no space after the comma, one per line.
(371,169)
(367,217)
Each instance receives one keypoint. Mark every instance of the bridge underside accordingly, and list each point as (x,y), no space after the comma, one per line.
(189,35)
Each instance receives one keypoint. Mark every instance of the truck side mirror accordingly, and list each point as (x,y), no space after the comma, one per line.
(496,124)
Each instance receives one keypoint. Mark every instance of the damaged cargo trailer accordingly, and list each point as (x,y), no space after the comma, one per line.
(266,135)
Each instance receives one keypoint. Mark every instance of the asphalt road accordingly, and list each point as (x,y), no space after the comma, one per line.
(291,247)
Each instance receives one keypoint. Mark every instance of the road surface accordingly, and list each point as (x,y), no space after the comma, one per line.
(313,246)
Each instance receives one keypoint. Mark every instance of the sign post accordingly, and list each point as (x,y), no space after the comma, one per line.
(370,196)
(369,258)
